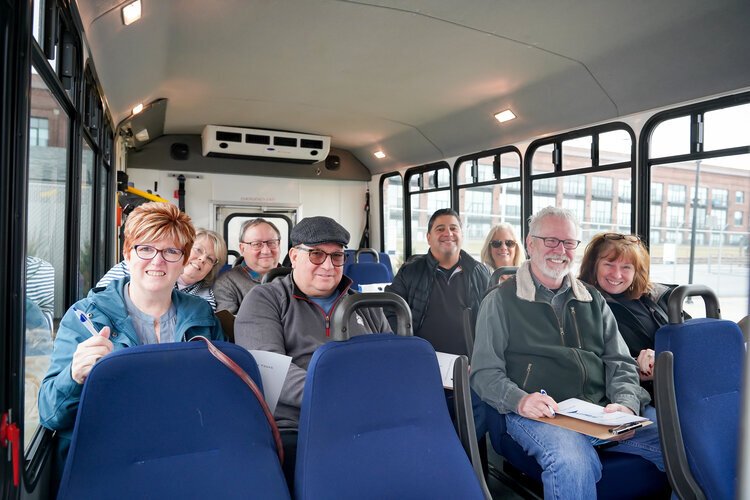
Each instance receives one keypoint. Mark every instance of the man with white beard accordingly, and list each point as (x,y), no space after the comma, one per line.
(544,336)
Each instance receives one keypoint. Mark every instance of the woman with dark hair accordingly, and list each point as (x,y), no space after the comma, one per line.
(618,266)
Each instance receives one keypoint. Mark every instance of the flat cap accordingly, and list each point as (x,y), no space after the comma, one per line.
(318,230)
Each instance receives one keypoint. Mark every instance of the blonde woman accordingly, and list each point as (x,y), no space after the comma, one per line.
(501,248)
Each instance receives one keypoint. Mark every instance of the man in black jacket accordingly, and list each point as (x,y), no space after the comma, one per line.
(440,285)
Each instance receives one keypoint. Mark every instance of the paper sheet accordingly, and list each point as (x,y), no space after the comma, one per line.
(590,412)
(373,287)
(446,362)
(273,369)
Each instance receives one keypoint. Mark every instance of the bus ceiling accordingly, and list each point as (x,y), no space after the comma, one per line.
(413,81)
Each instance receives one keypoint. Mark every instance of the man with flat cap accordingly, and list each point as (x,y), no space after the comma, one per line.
(291,315)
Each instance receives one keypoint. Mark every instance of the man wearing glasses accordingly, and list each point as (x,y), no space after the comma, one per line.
(259,244)
(292,315)
(543,329)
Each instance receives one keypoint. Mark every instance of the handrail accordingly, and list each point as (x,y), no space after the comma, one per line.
(349,304)
(374,252)
(678,295)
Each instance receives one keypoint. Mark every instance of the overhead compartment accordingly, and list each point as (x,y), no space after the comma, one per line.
(261,144)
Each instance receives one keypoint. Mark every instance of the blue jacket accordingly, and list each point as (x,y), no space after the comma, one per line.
(59,393)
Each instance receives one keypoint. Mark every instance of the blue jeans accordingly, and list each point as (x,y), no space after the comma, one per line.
(569,462)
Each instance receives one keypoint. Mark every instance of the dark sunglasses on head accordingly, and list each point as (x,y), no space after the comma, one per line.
(499,243)
(617,236)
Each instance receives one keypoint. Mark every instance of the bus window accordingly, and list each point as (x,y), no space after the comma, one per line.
(46,232)
(488,192)
(429,190)
(392,218)
(699,231)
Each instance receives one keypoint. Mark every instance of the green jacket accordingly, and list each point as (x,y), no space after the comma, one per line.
(522,347)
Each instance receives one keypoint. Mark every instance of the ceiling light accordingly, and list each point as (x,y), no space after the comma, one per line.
(379,155)
(504,116)
(138,109)
(131,12)
(142,136)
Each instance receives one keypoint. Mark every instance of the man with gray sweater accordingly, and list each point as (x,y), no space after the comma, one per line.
(292,315)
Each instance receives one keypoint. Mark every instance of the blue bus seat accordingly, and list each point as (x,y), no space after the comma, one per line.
(368,255)
(171,421)
(698,387)
(365,273)
(373,422)
(390,435)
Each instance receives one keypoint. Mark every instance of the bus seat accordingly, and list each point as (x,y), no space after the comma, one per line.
(366,273)
(390,435)
(698,383)
(500,272)
(368,255)
(276,272)
(171,421)
(227,323)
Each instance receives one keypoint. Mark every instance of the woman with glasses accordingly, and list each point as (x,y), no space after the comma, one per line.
(143,308)
(618,266)
(208,255)
(502,249)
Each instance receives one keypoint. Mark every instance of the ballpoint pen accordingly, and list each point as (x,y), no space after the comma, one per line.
(622,429)
(83,318)
(544,393)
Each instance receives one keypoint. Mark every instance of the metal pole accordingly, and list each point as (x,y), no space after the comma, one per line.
(695,221)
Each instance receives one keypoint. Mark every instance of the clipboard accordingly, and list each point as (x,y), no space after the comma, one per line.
(599,431)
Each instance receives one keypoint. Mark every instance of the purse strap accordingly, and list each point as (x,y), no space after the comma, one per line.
(242,374)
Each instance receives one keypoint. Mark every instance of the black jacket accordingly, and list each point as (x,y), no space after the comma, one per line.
(414,283)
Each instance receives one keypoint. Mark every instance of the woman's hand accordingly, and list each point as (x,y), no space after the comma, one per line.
(89,352)
(618,407)
(645,361)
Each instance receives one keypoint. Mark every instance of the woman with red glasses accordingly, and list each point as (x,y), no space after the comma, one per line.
(501,248)
(618,266)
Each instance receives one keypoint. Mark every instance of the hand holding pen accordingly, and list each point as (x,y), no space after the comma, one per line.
(537,405)
(89,351)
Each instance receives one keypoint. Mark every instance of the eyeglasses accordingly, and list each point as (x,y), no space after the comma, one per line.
(551,242)
(317,256)
(631,238)
(147,252)
(257,245)
(499,243)
(201,252)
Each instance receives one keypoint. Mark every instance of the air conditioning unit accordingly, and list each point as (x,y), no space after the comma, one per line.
(259,144)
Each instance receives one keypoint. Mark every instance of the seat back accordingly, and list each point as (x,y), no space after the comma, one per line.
(276,272)
(365,273)
(227,323)
(368,255)
(374,424)
(698,384)
(171,421)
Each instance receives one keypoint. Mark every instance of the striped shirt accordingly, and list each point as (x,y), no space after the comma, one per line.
(40,283)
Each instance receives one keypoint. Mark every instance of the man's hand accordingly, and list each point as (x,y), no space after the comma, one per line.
(537,405)
(89,352)
(612,407)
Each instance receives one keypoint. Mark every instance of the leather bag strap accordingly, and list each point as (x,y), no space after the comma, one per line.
(242,374)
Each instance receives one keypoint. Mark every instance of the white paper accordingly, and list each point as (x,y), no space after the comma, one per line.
(446,362)
(273,369)
(590,412)
(373,287)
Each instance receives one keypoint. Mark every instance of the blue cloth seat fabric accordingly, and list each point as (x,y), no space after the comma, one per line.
(619,470)
(171,421)
(374,424)
(365,273)
(383,258)
(708,356)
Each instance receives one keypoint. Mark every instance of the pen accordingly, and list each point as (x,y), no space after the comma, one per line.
(83,318)
(622,429)
(544,393)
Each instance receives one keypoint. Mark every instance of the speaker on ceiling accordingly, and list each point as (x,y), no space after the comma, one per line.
(179,151)
(333,162)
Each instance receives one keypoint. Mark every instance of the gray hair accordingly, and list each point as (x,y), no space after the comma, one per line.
(561,213)
(256,222)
